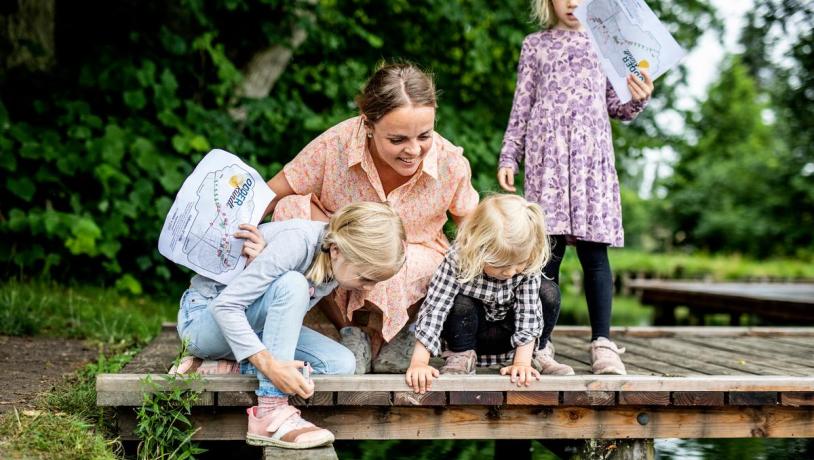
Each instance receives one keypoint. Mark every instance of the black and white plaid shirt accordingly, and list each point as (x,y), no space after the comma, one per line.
(520,293)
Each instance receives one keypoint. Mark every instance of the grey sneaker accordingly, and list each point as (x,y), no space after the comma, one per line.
(543,361)
(460,363)
(357,341)
(394,356)
(605,357)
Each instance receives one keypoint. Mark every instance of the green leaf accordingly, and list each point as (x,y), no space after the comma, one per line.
(135,99)
(200,144)
(23,187)
(130,284)
(84,233)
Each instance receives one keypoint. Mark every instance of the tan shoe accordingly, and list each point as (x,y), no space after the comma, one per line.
(460,363)
(605,357)
(543,361)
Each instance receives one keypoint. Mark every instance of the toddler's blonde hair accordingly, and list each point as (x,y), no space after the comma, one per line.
(369,235)
(542,11)
(503,230)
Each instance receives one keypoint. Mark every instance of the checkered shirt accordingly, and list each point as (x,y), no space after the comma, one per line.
(520,293)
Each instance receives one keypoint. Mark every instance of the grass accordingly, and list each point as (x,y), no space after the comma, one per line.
(67,424)
(83,312)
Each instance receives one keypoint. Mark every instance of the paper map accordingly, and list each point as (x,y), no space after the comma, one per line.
(628,37)
(220,194)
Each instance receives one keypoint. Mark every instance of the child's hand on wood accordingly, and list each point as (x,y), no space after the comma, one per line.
(419,377)
(640,89)
(505,177)
(254,243)
(521,374)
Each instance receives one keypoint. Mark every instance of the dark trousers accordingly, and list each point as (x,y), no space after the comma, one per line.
(466,328)
(598,283)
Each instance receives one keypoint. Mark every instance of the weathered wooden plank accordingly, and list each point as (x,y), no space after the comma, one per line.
(797,398)
(522,422)
(767,348)
(237,398)
(643,362)
(366,398)
(703,360)
(588,398)
(699,331)
(698,398)
(318,453)
(644,398)
(319,398)
(718,355)
(673,365)
(732,348)
(753,398)
(410,398)
(533,398)
(804,342)
(135,399)
(476,398)
(157,356)
(130,383)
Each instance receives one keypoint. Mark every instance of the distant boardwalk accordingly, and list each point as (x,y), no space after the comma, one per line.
(773,301)
(696,382)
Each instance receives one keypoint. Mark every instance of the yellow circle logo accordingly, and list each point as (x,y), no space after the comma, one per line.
(236,181)
(643,64)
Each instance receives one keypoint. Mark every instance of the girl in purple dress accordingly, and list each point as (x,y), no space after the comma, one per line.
(559,128)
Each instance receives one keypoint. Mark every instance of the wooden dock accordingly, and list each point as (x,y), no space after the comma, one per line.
(697,382)
(786,302)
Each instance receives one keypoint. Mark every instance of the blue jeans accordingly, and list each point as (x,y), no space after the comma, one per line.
(276,317)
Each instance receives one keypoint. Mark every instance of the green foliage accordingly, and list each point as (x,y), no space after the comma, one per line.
(163,425)
(100,145)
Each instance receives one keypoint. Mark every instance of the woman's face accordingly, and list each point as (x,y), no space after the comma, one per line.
(348,275)
(564,10)
(402,138)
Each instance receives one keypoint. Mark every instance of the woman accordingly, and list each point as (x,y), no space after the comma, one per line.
(389,153)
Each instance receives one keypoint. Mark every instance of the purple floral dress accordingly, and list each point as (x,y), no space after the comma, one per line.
(559,127)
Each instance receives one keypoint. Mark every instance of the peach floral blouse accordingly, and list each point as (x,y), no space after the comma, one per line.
(336,169)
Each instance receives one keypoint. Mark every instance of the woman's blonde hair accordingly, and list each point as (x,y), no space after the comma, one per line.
(503,230)
(369,235)
(542,11)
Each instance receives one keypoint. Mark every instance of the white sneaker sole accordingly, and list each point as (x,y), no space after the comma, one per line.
(264,441)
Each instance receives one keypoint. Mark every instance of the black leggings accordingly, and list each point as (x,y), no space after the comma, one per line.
(598,284)
(466,328)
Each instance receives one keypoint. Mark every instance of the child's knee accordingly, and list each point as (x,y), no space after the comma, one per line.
(463,305)
(549,293)
(295,285)
(344,362)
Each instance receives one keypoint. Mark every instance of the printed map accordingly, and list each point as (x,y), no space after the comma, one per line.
(220,194)
(628,38)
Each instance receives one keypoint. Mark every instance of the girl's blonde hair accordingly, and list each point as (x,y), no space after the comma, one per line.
(369,235)
(542,11)
(503,230)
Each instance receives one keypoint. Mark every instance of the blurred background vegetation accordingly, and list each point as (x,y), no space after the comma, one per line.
(105,107)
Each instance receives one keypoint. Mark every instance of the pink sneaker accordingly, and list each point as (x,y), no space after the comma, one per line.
(191,365)
(459,363)
(283,427)
(605,357)
(543,360)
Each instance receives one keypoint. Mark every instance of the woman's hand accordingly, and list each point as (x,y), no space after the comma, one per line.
(419,377)
(505,177)
(520,373)
(254,243)
(640,89)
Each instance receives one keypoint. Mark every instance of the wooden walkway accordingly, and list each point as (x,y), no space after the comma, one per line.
(703,382)
(773,301)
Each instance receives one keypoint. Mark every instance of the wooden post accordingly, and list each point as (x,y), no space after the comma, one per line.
(317,453)
(617,449)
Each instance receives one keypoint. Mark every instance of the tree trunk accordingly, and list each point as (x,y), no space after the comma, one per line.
(27,28)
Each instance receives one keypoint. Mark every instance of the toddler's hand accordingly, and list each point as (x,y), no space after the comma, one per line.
(419,377)
(254,243)
(640,89)
(521,374)
(505,177)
